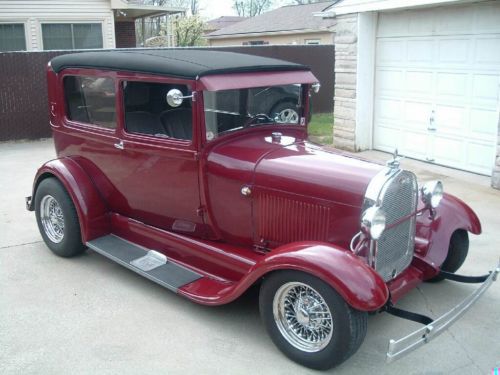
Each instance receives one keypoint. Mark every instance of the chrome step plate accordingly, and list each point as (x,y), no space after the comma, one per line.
(148,263)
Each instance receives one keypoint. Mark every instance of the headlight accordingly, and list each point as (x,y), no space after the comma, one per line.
(432,193)
(373,222)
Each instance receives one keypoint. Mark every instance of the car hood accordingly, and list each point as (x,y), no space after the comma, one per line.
(306,169)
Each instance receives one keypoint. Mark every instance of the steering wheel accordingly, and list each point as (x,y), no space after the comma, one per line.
(261,117)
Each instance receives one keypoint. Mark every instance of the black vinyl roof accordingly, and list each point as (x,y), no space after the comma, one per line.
(182,63)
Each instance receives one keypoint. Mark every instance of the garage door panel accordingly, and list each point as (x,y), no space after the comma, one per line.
(451,119)
(420,51)
(453,85)
(418,83)
(420,23)
(480,156)
(487,19)
(391,82)
(417,114)
(481,120)
(487,52)
(413,144)
(388,110)
(449,151)
(454,21)
(391,24)
(390,51)
(387,138)
(454,51)
(486,89)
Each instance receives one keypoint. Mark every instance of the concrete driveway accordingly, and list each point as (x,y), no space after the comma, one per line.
(88,315)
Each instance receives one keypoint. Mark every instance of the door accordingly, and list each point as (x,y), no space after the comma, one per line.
(437,85)
(157,167)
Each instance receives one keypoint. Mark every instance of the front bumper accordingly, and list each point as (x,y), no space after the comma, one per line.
(403,346)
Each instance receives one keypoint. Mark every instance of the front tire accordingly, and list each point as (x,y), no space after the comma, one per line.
(57,219)
(457,252)
(309,321)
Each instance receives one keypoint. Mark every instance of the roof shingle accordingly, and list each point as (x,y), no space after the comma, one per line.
(287,18)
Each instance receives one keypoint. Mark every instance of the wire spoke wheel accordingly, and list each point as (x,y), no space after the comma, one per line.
(288,115)
(303,317)
(52,218)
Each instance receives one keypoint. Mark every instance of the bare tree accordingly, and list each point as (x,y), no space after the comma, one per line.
(251,8)
(195,7)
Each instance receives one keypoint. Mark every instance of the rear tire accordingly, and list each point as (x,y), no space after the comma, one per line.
(309,321)
(457,253)
(57,219)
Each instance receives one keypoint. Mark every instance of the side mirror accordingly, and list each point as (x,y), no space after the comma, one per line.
(175,97)
(315,87)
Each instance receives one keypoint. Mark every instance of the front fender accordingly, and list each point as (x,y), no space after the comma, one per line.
(90,207)
(359,285)
(463,216)
(451,215)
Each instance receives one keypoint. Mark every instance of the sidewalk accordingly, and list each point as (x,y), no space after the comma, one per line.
(88,315)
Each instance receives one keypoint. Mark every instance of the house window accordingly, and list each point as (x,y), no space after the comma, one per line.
(255,43)
(90,100)
(312,41)
(71,35)
(12,37)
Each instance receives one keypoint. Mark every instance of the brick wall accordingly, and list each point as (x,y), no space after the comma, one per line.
(495,179)
(345,82)
(125,34)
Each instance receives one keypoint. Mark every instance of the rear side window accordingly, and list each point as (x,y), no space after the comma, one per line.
(91,100)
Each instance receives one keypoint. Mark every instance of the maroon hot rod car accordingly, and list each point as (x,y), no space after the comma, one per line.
(193,169)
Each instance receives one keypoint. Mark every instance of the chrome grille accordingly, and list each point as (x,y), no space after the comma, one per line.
(398,199)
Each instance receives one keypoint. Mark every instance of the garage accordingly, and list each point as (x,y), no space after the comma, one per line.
(437,84)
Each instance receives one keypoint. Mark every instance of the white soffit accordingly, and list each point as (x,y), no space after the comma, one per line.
(359,6)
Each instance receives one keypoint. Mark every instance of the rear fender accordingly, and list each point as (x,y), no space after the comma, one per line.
(359,285)
(90,207)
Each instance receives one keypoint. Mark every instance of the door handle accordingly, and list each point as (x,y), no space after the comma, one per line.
(119,145)
(432,120)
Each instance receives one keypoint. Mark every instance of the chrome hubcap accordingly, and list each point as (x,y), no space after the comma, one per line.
(303,317)
(288,115)
(52,218)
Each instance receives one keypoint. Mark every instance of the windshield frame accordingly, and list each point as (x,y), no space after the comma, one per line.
(249,110)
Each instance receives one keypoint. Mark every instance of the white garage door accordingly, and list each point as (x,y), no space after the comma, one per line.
(437,85)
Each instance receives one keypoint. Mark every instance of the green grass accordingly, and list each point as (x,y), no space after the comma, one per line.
(321,128)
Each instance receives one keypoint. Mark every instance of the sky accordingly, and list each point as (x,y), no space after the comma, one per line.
(210,9)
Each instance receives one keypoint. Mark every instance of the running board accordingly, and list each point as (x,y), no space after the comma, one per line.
(148,263)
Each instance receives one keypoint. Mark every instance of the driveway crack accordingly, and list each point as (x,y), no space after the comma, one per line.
(469,357)
(426,301)
(19,244)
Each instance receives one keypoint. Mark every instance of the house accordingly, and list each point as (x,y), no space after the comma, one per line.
(68,24)
(221,22)
(422,76)
(293,24)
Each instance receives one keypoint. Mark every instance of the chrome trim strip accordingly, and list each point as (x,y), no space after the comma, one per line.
(405,345)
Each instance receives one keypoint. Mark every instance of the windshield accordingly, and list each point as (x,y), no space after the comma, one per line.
(230,110)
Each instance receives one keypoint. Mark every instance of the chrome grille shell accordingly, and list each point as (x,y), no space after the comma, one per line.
(396,192)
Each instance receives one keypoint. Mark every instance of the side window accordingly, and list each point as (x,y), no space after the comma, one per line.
(90,100)
(147,111)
